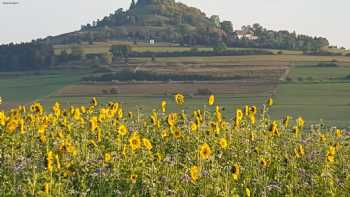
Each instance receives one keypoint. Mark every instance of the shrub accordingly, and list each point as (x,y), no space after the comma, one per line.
(204,91)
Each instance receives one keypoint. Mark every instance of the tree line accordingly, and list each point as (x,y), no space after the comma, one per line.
(26,56)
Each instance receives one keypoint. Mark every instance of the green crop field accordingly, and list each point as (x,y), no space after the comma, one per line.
(28,86)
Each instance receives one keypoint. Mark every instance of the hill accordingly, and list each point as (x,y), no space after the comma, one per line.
(162,20)
(170,21)
(165,21)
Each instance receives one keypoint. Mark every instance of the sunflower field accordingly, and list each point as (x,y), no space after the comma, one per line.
(102,150)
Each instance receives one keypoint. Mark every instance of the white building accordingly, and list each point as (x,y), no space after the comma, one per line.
(248,35)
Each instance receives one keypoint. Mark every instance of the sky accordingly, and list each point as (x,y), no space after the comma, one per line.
(32,19)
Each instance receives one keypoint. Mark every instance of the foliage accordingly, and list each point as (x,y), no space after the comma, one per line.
(149,76)
(281,40)
(25,56)
(219,47)
(103,150)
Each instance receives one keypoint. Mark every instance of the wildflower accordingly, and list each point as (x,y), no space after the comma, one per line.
(147,144)
(246,110)
(274,128)
(179,99)
(238,118)
(338,133)
(58,163)
(135,141)
(211,100)
(159,156)
(286,121)
(2,119)
(330,154)
(120,113)
(21,126)
(122,130)
(223,143)
(239,114)
(163,106)
(296,130)
(299,151)
(42,135)
(215,127)
(56,109)
(46,188)
(235,170)
(247,192)
(300,122)
(177,133)
(125,150)
(94,102)
(204,151)
(253,110)
(193,127)
(252,119)
(50,159)
(76,114)
(133,178)
(172,118)
(195,171)
(164,133)
(93,123)
(107,157)
(218,116)
(269,102)
(252,136)
(263,162)
(322,138)
(11,126)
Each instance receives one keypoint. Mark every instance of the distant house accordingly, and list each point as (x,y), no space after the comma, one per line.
(152,42)
(244,34)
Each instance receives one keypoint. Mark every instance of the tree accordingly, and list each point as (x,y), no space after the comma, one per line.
(133,4)
(120,51)
(219,47)
(215,19)
(227,27)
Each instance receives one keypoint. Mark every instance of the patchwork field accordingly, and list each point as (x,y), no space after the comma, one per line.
(297,84)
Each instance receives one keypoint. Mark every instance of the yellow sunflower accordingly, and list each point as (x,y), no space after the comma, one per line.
(263,162)
(107,157)
(195,171)
(179,99)
(163,106)
(223,143)
(122,130)
(204,151)
(211,100)
(299,151)
(133,178)
(269,102)
(147,144)
(236,171)
(135,141)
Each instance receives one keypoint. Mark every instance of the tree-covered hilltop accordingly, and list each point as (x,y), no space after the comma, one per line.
(170,21)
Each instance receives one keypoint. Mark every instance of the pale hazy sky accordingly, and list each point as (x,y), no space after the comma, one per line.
(31,19)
